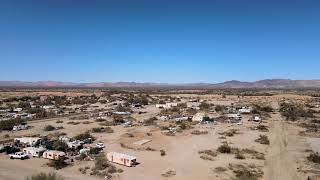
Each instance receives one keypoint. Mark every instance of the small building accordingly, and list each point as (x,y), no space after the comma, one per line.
(236,117)
(53,155)
(167,105)
(198,117)
(245,110)
(34,152)
(122,159)
(20,127)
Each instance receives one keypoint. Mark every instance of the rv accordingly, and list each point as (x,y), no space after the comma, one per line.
(122,159)
(20,127)
(34,152)
(53,155)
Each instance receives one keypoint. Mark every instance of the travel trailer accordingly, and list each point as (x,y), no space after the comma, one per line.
(53,155)
(122,159)
(34,152)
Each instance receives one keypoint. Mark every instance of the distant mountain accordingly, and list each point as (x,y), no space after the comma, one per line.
(267,83)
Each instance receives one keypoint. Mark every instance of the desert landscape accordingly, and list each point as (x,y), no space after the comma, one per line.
(172,134)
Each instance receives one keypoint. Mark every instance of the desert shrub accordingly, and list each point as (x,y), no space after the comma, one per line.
(206,157)
(109,130)
(101,162)
(246,172)
(169,173)
(94,151)
(239,156)
(219,108)
(86,122)
(81,157)
(150,121)
(6,136)
(49,128)
(255,154)
(150,149)
(8,124)
(100,120)
(263,139)
(84,136)
(58,164)
(293,112)
(204,106)
(225,148)
(83,170)
(262,128)
(230,133)
(197,132)
(60,146)
(59,121)
(44,176)
(98,130)
(314,157)
(208,154)
(73,123)
(220,169)
(162,152)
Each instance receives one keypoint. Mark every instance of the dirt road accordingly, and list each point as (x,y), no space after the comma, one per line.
(280,161)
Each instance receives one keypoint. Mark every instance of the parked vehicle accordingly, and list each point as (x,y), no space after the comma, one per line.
(53,155)
(122,159)
(20,127)
(19,155)
(34,152)
(100,145)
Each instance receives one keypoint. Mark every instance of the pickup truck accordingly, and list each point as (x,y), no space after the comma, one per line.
(19,155)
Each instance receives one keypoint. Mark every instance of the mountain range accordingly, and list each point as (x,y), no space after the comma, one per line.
(267,83)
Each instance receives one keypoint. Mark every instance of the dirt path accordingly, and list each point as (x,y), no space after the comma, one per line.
(280,163)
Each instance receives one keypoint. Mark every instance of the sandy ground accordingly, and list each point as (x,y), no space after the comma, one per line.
(285,157)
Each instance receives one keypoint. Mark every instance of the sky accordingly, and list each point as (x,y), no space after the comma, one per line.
(163,41)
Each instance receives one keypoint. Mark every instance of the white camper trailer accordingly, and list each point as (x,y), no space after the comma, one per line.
(53,155)
(34,152)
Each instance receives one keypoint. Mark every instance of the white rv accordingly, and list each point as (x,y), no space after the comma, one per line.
(34,152)
(53,155)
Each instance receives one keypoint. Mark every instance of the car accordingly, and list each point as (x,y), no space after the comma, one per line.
(100,145)
(19,155)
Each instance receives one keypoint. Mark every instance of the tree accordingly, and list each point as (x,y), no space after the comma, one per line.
(60,146)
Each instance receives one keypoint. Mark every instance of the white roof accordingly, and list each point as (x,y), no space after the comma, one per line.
(56,152)
(124,156)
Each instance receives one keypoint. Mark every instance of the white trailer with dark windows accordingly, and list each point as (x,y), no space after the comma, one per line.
(122,159)
(34,152)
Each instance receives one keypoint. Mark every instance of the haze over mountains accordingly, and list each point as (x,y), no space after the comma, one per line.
(267,83)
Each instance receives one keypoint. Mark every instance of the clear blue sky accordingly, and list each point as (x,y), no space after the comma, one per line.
(175,41)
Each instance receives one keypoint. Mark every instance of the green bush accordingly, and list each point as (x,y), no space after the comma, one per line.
(162,152)
(263,139)
(314,157)
(49,128)
(84,136)
(225,148)
(58,164)
(8,124)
